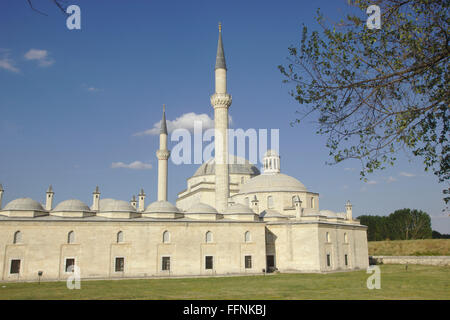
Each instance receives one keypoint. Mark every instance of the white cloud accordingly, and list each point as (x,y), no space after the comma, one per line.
(372,182)
(7,63)
(390,179)
(41,56)
(349,169)
(185,121)
(136,165)
(407,174)
(93,89)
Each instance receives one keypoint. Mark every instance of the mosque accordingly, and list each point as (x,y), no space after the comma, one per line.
(231,219)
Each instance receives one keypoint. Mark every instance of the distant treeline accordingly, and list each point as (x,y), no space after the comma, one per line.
(437,235)
(404,224)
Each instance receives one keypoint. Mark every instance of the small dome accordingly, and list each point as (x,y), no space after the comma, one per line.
(72,205)
(269,213)
(332,214)
(238,208)
(201,208)
(25,204)
(238,166)
(113,205)
(161,207)
(270,183)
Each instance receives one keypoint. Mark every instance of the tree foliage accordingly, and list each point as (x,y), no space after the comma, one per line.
(404,224)
(378,91)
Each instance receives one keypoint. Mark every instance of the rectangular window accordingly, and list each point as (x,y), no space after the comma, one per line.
(70,264)
(15,266)
(208,262)
(248,262)
(270,262)
(120,264)
(165,263)
(328,260)
(346,260)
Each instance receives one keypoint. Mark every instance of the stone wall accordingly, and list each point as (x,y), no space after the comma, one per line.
(426,260)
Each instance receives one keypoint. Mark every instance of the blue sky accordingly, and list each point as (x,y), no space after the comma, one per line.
(71,101)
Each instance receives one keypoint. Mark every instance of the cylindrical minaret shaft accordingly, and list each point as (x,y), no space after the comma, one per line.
(163,155)
(221,101)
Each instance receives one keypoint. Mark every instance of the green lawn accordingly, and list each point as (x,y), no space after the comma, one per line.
(425,247)
(418,282)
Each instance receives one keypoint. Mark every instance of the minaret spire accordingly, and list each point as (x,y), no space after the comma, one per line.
(163,128)
(163,155)
(221,101)
(220,57)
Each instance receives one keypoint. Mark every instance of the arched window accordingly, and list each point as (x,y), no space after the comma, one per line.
(270,202)
(312,202)
(247,236)
(166,237)
(17,237)
(345,238)
(242,179)
(119,237)
(209,237)
(293,201)
(71,237)
(328,237)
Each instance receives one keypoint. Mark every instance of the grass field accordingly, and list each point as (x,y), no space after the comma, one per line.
(418,282)
(426,247)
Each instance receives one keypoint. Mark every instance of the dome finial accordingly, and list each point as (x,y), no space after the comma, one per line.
(220,26)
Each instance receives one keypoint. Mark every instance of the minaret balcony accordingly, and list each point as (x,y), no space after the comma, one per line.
(163,154)
(221,100)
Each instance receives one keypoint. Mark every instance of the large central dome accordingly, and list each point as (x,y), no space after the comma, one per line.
(238,166)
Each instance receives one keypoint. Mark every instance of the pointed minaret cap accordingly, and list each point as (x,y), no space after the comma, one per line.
(142,193)
(50,189)
(96,190)
(163,129)
(220,57)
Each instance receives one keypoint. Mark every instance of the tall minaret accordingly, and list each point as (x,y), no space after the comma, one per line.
(221,101)
(163,155)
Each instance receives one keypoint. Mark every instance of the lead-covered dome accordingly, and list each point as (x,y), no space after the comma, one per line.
(202,208)
(271,183)
(237,165)
(161,207)
(24,204)
(238,208)
(113,205)
(72,205)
